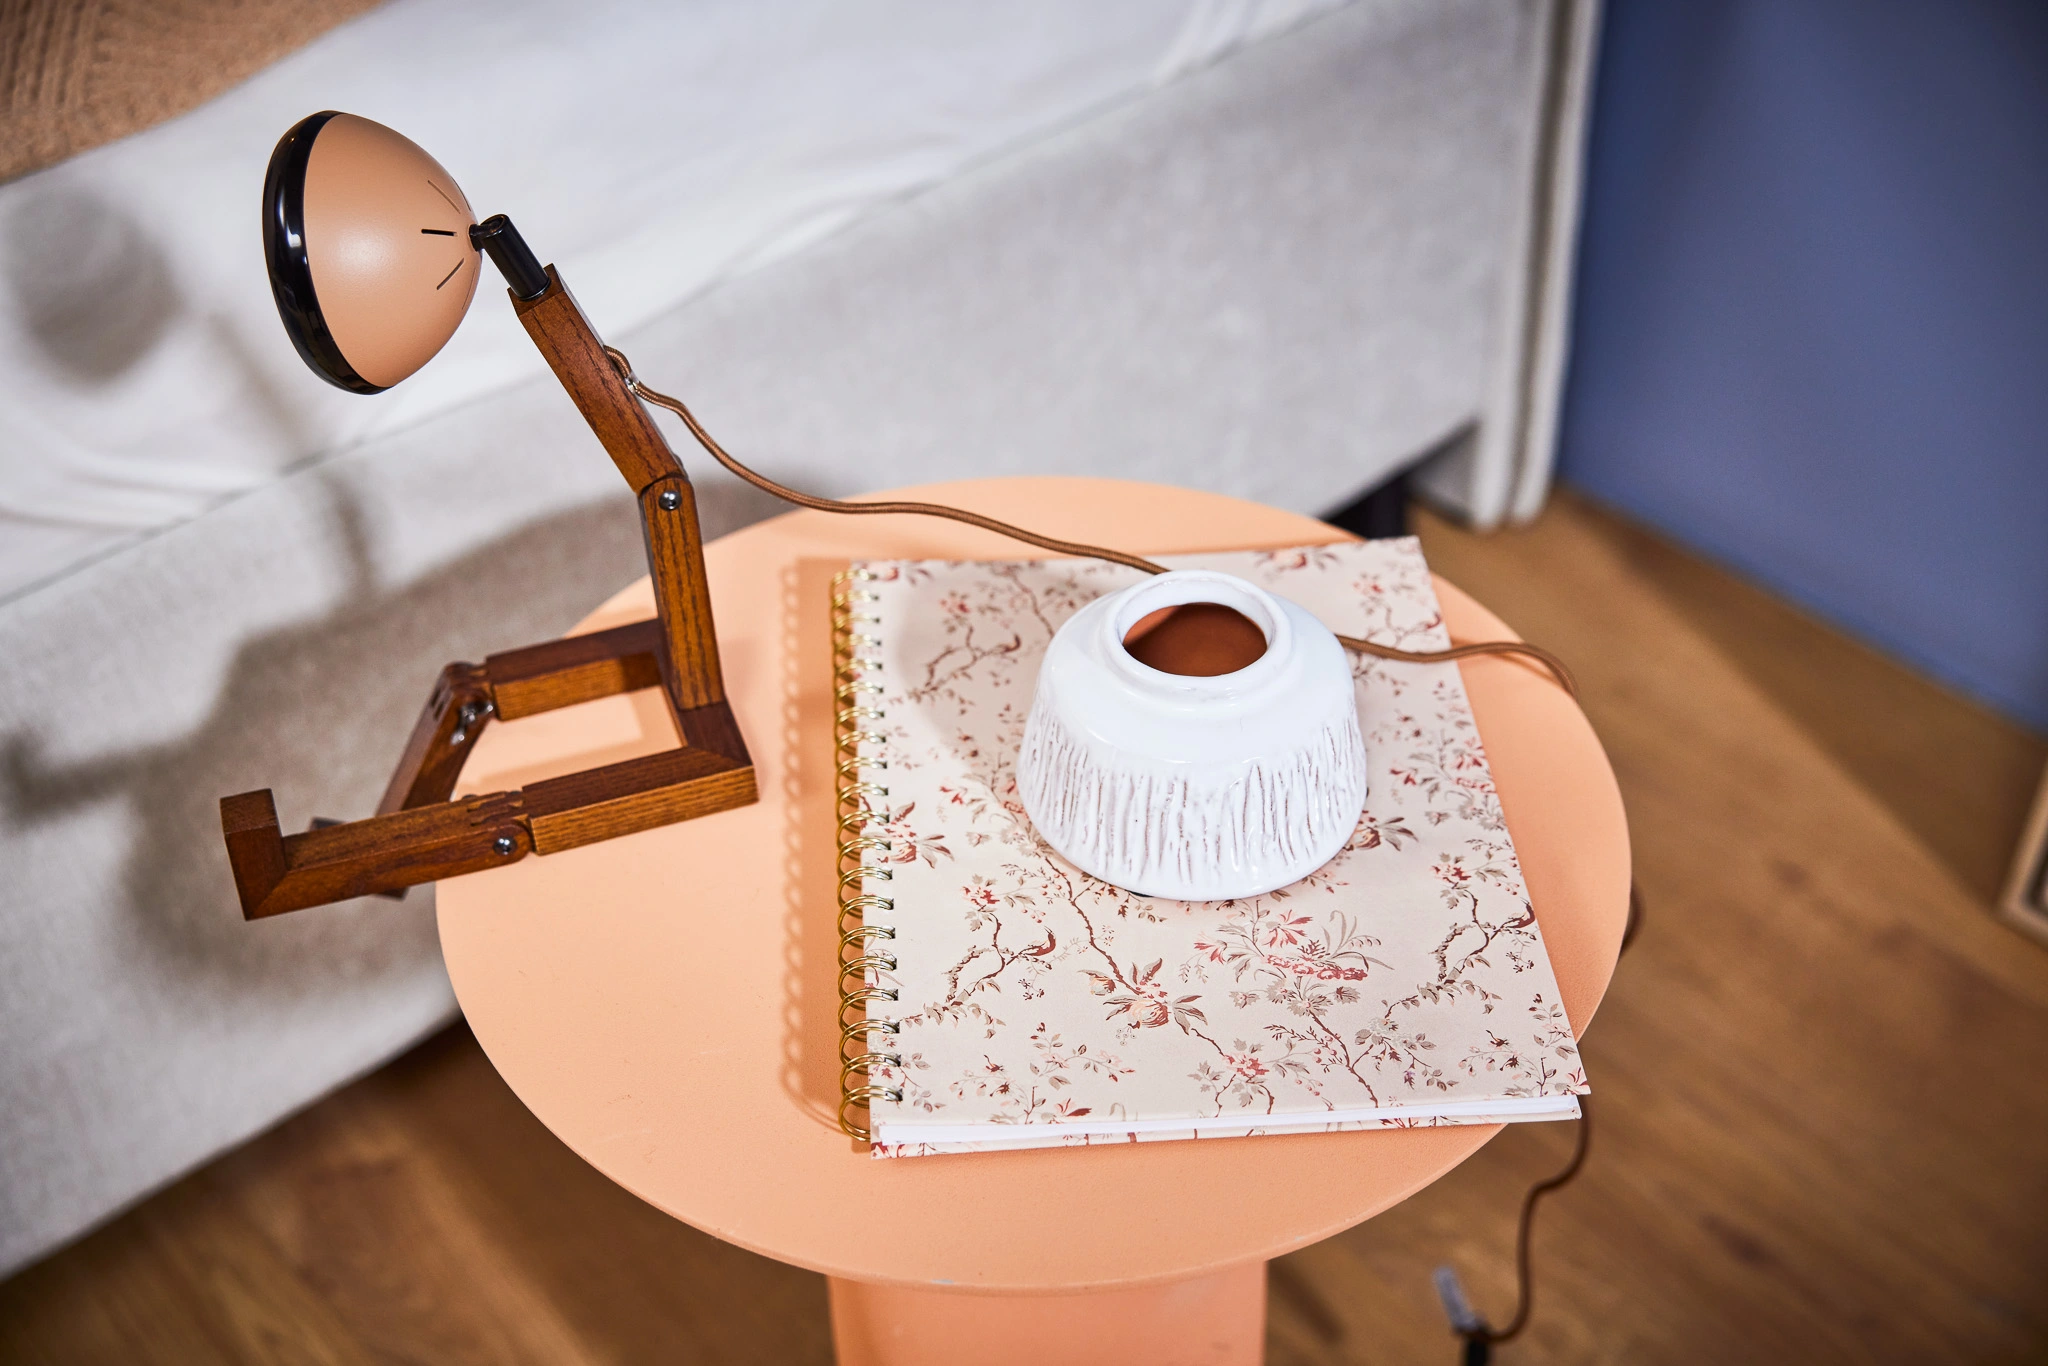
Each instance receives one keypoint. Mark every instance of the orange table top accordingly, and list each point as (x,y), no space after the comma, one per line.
(666,1002)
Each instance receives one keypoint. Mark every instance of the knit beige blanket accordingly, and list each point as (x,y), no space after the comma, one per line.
(78,73)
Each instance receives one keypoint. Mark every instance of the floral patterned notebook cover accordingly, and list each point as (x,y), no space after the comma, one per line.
(1404,983)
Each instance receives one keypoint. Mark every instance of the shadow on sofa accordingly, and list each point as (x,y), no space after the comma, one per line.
(288,714)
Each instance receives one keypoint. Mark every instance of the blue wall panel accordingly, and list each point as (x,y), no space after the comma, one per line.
(1811,333)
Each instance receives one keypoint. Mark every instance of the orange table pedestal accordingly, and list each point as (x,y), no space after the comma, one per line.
(667,1002)
(1213,1320)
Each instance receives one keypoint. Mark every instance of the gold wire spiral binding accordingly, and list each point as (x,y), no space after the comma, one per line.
(860,996)
(860,967)
(863,1029)
(861,806)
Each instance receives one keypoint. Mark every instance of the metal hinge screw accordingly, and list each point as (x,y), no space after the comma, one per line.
(467,717)
(670,500)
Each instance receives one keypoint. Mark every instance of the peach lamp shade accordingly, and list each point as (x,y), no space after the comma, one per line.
(368,243)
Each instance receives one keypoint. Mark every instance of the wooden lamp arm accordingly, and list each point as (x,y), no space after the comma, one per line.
(510,685)
(576,355)
(456,713)
(418,834)
(276,872)
(668,505)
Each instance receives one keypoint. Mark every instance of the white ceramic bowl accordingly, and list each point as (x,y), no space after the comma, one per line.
(1201,789)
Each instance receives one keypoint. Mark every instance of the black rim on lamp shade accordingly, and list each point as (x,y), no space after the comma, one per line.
(284,252)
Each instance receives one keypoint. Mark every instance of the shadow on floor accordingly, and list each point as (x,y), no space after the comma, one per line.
(1959,775)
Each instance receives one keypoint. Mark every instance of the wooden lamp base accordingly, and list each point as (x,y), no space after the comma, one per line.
(418,834)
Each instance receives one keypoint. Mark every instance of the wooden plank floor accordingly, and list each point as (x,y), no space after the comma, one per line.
(1823,1129)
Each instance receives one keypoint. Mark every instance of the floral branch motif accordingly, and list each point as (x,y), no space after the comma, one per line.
(1034,1098)
(1441,760)
(1145,1000)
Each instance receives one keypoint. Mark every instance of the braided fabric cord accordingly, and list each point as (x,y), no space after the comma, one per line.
(760,481)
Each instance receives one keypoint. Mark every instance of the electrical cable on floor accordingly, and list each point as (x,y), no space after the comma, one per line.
(1479,1337)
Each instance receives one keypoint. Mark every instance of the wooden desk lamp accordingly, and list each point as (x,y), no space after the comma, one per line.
(374,260)
(374,257)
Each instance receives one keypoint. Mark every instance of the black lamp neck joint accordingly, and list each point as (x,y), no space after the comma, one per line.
(496,238)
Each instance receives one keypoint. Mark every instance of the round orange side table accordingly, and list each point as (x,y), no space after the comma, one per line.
(666,1002)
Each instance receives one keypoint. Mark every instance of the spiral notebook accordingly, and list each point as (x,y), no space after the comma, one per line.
(997,997)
